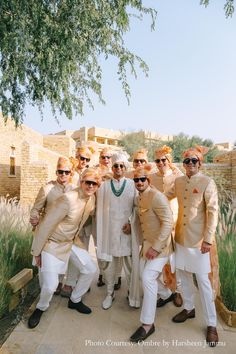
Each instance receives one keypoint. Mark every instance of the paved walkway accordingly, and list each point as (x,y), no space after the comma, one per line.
(65,331)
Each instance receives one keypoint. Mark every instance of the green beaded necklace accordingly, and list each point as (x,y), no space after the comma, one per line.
(118,192)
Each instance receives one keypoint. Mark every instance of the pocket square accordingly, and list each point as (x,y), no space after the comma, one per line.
(195,190)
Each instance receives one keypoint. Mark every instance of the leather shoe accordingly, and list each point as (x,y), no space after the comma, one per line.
(66,291)
(58,289)
(100,281)
(212,336)
(183,316)
(118,284)
(35,318)
(79,306)
(178,300)
(141,334)
(161,302)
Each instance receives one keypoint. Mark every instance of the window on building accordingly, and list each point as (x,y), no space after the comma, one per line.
(12,171)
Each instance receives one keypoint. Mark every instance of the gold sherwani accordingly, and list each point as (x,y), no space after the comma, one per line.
(198,209)
(164,183)
(61,225)
(156,221)
(47,196)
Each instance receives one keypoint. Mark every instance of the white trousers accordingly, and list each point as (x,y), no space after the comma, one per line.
(206,295)
(112,269)
(49,277)
(151,286)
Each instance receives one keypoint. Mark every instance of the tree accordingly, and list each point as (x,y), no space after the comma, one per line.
(51,50)
(228,7)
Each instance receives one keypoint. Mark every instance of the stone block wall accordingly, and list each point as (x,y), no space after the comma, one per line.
(37,168)
(11,140)
(62,144)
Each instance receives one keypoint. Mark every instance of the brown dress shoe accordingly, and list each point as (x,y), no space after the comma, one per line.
(183,316)
(212,336)
(178,300)
(58,289)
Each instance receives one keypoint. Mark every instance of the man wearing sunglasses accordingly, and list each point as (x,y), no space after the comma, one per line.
(83,156)
(156,222)
(194,236)
(115,242)
(164,180)
(56,240)
(139,159)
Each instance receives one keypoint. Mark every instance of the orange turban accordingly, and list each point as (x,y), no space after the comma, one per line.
(198,151)
(64,163)
(140,154)
(92,174)
(143,171)
(106,152)
(163,151)
(85,151)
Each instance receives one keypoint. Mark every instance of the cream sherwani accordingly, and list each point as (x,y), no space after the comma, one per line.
(156,223)
(197,220)
(111,215)
(56,239)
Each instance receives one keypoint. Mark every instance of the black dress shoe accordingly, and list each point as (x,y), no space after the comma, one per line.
(161,302)
(118,284)
(79,306)
(100,281)
(141,334)
(35,318)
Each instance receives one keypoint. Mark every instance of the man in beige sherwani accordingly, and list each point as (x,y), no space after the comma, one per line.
(163,179)
(56,240)
(156,223)
(194,235)
(49,193)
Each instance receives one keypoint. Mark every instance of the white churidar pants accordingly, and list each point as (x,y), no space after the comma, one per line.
(206,295)
(151,286)
(113,268)
(52,267)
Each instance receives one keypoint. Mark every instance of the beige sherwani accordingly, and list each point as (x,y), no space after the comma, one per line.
(47,196)
(197,221)
(156,223)
(62,222)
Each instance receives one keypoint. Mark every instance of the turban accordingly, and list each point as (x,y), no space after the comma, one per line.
(143,171)
(198,151)
(64,163)
(140,154)
(120,157)
(163,151)
(91,174)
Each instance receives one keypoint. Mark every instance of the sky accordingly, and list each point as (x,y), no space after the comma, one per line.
(191,87)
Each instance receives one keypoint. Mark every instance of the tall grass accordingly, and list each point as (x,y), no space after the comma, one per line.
(15,244)
(226,242)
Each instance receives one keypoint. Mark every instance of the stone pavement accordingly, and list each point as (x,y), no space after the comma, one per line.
(65,331)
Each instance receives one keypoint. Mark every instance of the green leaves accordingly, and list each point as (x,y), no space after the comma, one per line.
(50,50)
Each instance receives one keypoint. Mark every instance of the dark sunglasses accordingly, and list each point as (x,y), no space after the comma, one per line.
(137,179)
(139,160)
(91,183)
(117,165)
(105,157)
(160,160)
(188,160)
(84,158)
(61,172)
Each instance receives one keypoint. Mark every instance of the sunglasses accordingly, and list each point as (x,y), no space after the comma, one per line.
(91,183)
(117,165)
(137,179)
(188,160)
(84,158)
(160,160)
(105,157)
(139,160)
(61,172)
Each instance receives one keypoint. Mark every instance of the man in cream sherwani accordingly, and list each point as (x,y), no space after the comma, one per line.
(115,241)
(194,235)
(56,241)
(156,223)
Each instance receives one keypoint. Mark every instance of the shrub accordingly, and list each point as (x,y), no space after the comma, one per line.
(226,242)
(15,244)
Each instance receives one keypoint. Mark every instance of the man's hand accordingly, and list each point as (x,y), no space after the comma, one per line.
(205,247)
(126,229)
(38,260)
(34,221)
(151,253)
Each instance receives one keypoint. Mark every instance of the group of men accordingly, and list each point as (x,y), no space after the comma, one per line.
(142,220)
